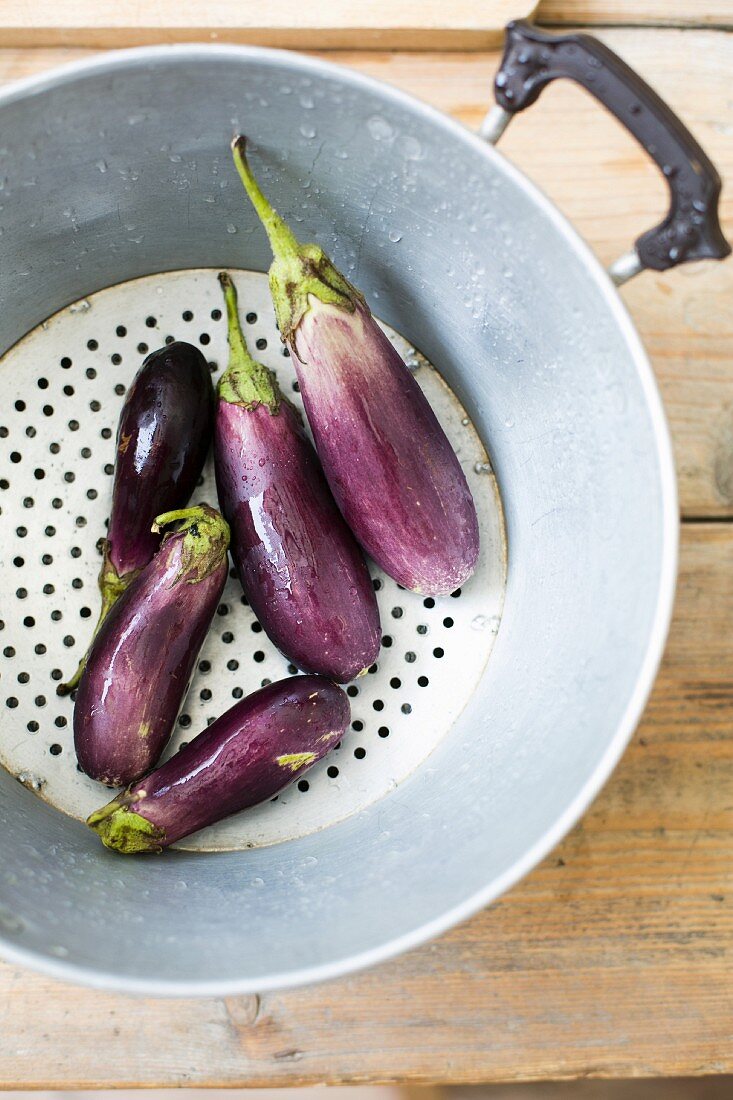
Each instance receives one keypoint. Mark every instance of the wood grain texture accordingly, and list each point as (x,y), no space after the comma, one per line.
(401,24)
(613,958)
(661,13)
(599,177)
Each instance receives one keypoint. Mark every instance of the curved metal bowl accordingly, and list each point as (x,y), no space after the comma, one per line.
(498,291)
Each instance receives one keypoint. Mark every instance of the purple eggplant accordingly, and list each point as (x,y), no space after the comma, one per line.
(392,471)
(300,567)
(162,439)
(245,757)
(141,661)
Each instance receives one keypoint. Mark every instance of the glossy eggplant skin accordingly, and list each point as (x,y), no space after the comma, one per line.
(141,660)
(299,565)
(392,470)
(249,754)
(162,440)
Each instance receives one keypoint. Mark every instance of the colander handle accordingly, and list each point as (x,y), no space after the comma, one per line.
(691,230)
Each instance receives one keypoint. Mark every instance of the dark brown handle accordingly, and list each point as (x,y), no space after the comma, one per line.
(691,229)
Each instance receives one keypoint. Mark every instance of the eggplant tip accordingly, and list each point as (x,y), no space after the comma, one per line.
(122,830)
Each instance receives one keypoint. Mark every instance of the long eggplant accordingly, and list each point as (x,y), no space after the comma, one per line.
(300,567)
(390,466)
(163,435)
(141,661)
(249,754)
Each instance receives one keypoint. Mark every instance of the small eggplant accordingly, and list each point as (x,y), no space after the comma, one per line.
(162,439)
(246,756)
(300,567)
(141,661)
(391,468)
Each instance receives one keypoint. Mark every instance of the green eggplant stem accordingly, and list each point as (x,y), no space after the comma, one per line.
(245,381)
(196,513)
(299,273)
(122,830)
(283,241)
(205,540)
(111,586)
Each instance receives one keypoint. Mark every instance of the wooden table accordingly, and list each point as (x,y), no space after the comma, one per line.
(614,956)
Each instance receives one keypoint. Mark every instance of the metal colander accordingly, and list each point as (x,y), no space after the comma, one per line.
(460,769)
(66,384)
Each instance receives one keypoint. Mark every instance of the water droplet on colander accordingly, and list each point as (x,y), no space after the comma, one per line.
(482,468)
(307,102)
(509,422)
(257,882)
(341,154)
(411,148)
(180,887)
(81,306)
(380,129)
(485,622)
(285,89)
(307,130)
(59,951)
(101,165)
(231,228)
(465,421)
(395,236)
(9,922)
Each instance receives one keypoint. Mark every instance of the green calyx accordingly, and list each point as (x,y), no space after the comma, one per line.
(111,587)
(204,542)
(122,830)
(298,271)
(245,381)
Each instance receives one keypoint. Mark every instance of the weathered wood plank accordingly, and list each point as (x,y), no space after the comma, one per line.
(363,24)
(612,958)
(660,13)
(601,180)
(400,24)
